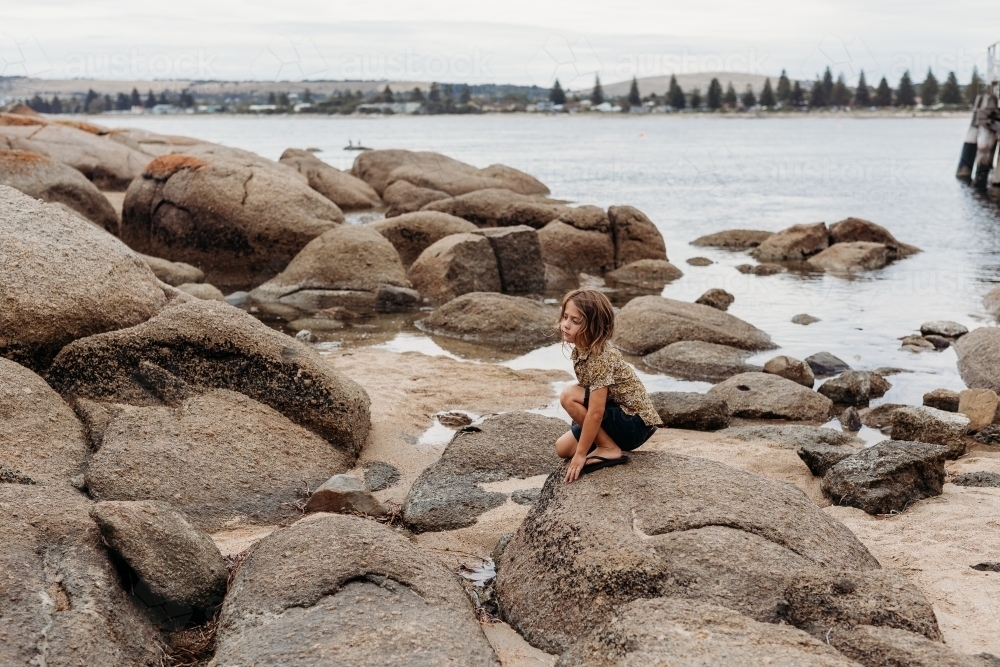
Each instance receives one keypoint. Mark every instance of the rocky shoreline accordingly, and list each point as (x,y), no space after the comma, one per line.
(180,478)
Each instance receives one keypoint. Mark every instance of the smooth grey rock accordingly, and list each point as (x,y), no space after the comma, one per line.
(380,475)
(887,476)
(766,396)
(824,364)
(697,360)
(855,387)
(733,239)
(344,493)
(943,328)
(177,560)
(938,427)
(499,319)
(448,495)
(805,319)
(791,369)
(691,410)
(766,269)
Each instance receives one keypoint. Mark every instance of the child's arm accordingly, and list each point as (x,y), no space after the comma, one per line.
(588,432)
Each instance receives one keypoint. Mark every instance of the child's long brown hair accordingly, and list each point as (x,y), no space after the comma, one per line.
(598,319)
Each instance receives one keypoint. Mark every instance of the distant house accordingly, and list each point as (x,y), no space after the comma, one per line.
(389,107)
(258,108)
(165,108)
(606,107)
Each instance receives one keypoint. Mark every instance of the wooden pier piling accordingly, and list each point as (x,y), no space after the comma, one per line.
(967,161)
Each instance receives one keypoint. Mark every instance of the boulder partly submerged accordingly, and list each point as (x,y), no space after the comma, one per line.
(456,265)
(210,344)
(62,279)
(648,323)
(491,318)
(348,192)
(448,494)
(240,220)
(853,230)
(61,593)
(797,243)
(43,178)
(354,592)
(734,239)
(698,360)
(435,171)
(663,525)
(344,266)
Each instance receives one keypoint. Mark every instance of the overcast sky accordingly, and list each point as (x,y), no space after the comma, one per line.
(514,41)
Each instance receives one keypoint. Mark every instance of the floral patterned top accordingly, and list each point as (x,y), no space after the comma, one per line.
(608,369)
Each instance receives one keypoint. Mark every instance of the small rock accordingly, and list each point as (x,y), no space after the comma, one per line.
(717,298)
(820,458)
(691,410)
(824,364)
(733,239)
(855,387)
(886,371)
(305,336)
(887,476)
(804,319)
(980,406)
(989,435)
(344,493)
(525,496)
(986,567)
(791,369)
(760,269)
(644,274)
(880,417)
(396,299)
(939,342)
(380,475)
(850,420)
(797,243)
(852,257)
(924,424)
(178,561)
(699,261)
(942,399)
(980,478)
(202,291)
(915,343)
(454,419)
(943,328)
(239,299)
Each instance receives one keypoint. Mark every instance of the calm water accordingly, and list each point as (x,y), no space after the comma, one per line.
(693,176)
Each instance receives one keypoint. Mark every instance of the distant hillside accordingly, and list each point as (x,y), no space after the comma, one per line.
(687,82)
(25,88)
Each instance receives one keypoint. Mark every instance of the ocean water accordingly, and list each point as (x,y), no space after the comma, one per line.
(696,175)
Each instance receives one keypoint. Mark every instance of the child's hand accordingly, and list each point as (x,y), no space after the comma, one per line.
(575,466)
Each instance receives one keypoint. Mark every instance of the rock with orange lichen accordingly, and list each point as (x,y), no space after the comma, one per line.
(238,219)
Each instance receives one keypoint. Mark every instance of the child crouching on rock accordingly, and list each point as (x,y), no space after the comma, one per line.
(610,407)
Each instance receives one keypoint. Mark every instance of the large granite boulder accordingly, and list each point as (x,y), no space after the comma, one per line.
(797,243)
(109,164)
(734,239)
(435,171)
(456,265)
(412,233)
(176,560)
(682,633)
(925,424)
(853,230)
(344,267)
(878,646)
(519,258)
(498,208)
(63,602)
(767,396)
(348,192)
(979,358)
(41,440)
(852,257)
(62,279)
(341,590)
(691,410)
(663,525)
(574,250)
(403,197)
(448,495)
(42,178)
(239,220)
(648,323)
(210,344)
(220,457)
(635,236)
(498,319)
(587,218)
(819,458)
(887,476)
(698,360)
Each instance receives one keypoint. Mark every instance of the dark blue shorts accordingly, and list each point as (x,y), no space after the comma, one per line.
(628,431)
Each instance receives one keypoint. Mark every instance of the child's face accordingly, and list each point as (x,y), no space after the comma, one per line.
(572,322)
